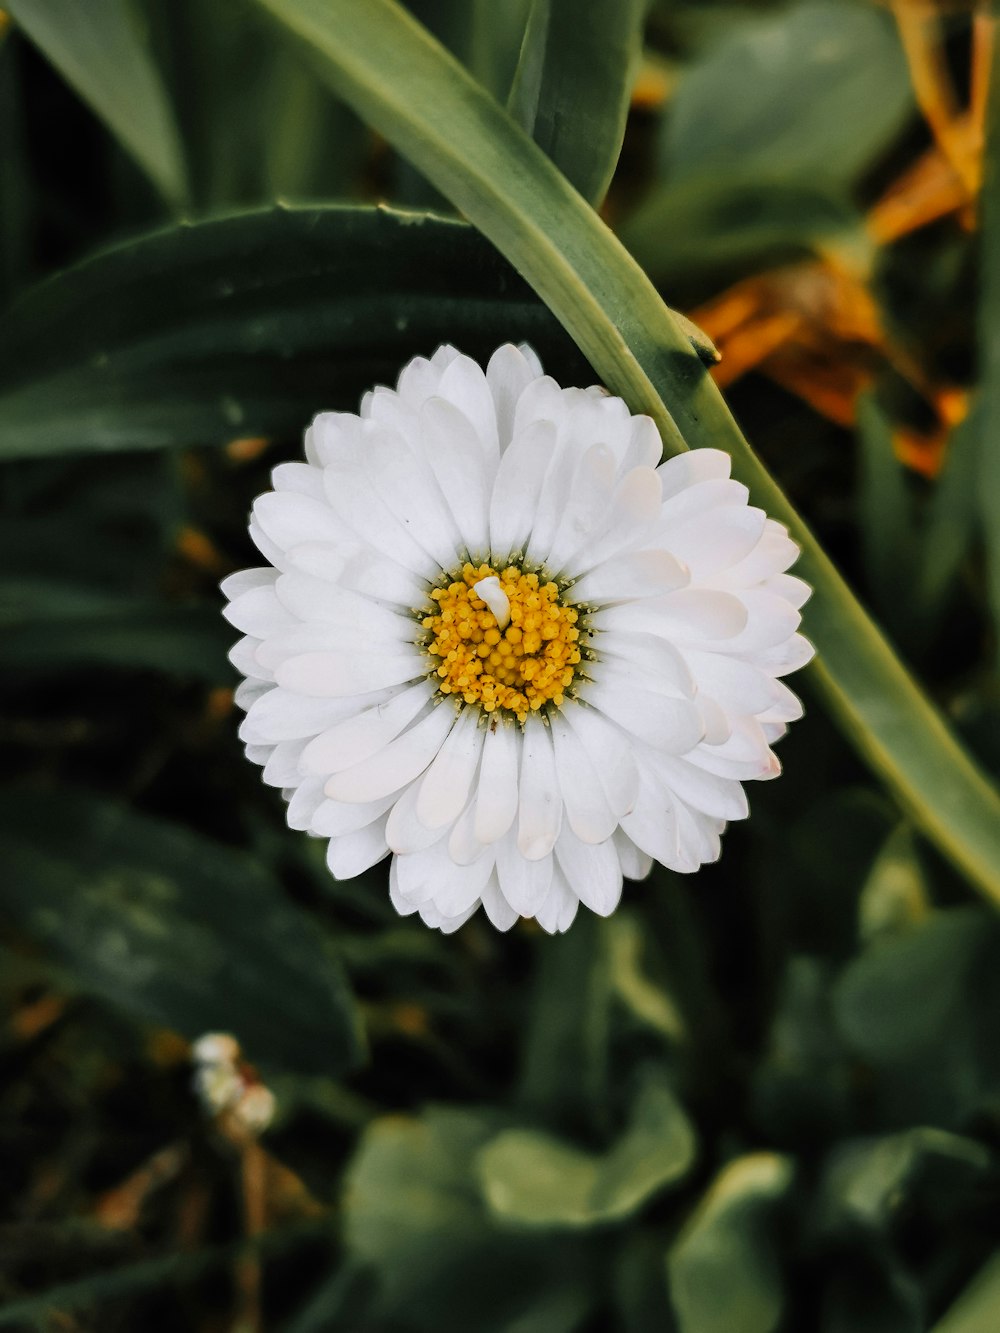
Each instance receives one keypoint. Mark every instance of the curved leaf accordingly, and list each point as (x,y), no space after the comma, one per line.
(248,325)
(573,82)
(97,48)
(173,928)
(396,76)
(532,1179)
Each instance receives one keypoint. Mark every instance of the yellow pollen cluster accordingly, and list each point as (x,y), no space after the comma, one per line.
(522,667)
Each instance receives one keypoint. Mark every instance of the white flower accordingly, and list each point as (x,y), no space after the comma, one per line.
(498,640)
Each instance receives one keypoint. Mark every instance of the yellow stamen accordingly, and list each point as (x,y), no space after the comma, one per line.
(503,640)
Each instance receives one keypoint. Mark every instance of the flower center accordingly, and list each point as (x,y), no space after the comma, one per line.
(503,639)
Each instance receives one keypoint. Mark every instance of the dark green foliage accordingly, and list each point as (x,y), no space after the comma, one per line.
(763,1100)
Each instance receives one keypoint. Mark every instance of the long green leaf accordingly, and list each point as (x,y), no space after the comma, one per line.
(173,928)
(397,77)
(248,325)
(573,82)
(988,465)
(97,48)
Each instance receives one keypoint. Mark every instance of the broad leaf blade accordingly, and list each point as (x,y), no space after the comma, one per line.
(573,82)
(813,93)
(388,68)
(174,929)
(249,325)
(723,1269)
(97,49)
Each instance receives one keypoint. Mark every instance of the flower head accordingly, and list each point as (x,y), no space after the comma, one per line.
(498,639)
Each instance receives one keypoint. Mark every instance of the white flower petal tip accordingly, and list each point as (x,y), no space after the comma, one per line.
(500,642)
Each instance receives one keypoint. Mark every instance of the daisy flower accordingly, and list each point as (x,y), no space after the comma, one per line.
(498,639)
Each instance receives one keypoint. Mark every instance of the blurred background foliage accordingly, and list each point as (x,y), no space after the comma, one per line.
(764,1099)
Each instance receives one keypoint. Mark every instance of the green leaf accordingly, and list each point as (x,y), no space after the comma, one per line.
(652,1004)
(723,1270)
(988,319)
(694,235)
(414,1213)
(925,998)
(975,1311)
(953,522)
(813,93)
(51,625)
(249,326)
(394,75)
(531,1179)
(868,1184)
(565,1061)
(888,532)
(908,992)
(573,83)
(174,929)
(895,895)
(99,51)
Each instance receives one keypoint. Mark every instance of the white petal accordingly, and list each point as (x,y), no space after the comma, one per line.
(353,853)
(611,754)
(299,477)
(593,873)
(624,697)
(303,803)
(342,642)
(279,715)
(464,385)
(540,811)
(586,505)
(635,864)
(653,827)
(650,653)
(366,731)
(258,612)
(407,486)
(685,470)
(720,539)
(357,567)
(332,819)
(282,768)
(720,797)
(496,906)
(645,448)
(247,693)
(625,577)
(523,883)
(517,487)
(404,831)
(402,760)
(685,616)
(444,788)
(243,656)
(496,803)
(736,685)
(631,519)
(795,591)
(245,579)
(358,501)
(463,845)
(787,656)
(508,374)
(287,519)
(335,675)
(459,466)
(313,599)
(588,810)
(771,621)
(431,876)
(559,909)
